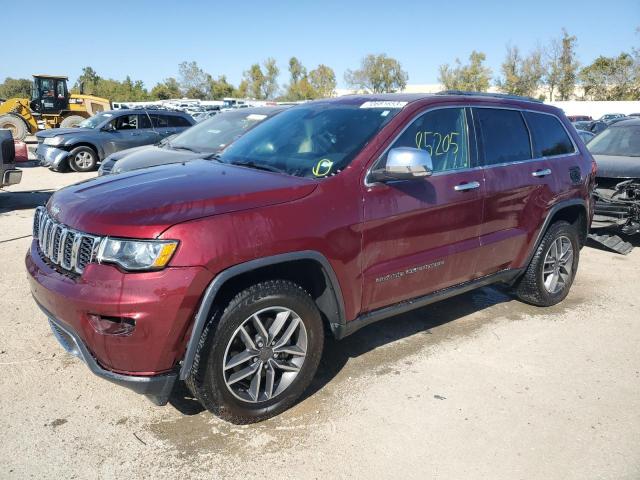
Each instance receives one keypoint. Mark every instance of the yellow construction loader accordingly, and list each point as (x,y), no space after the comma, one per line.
(51,105)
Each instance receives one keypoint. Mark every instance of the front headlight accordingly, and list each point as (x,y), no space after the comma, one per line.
(136,254)
(57,140)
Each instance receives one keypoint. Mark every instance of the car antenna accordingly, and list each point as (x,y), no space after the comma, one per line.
(149,117)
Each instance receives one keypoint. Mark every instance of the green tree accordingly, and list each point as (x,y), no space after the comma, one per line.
(87,81)
(15,88)
(378,74)
(194,81)
(552,67)
(299,87)
(611,78)
(521,75)
(170,88)
(472,77)
(220,88)
(253,81)
(271,72)
(323,81)
(568,66)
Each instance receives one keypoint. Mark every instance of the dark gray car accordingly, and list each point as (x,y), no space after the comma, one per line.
(99,136)
(205,138)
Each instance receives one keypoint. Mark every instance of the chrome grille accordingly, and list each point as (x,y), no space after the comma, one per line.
(70,249)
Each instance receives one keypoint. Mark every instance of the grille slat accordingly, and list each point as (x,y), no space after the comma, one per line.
(60,245)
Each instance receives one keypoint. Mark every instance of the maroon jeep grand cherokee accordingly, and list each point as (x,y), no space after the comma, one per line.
(228,272)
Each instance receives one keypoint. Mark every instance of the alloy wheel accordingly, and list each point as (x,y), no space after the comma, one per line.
(558,265)
(84,159)
(265,354)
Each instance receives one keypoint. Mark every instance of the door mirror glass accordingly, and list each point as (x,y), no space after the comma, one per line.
(109,127)
(405,163)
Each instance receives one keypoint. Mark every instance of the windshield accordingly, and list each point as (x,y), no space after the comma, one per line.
(217,132)
(314,140)
(93,122)
(618,141)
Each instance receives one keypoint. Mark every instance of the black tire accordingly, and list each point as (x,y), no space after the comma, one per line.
(207,382)
(530,288)
(16,125)
(83,159)
(71,121)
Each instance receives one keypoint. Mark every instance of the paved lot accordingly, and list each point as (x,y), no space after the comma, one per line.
(479,386)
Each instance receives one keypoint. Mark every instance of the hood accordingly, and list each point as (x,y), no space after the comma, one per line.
(54,132)
(612,166)
(151,156)
(144,203)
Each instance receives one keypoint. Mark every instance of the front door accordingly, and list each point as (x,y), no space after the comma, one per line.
(420,236)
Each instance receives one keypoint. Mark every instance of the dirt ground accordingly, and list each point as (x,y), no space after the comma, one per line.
(479,386)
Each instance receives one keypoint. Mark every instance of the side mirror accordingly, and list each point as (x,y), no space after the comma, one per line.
(404,163)
(108,128)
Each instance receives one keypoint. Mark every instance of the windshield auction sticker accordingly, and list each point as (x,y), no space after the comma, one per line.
(322,168)
(383,104)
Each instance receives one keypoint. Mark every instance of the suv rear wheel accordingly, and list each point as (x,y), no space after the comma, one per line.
(550,274)
(260,355)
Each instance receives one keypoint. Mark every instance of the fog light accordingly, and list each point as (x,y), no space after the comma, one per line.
(111,325)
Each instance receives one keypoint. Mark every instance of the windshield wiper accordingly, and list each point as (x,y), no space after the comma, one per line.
(181,147)
(213,156)
(258,166)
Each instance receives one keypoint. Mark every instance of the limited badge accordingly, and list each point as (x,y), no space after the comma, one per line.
(322,168)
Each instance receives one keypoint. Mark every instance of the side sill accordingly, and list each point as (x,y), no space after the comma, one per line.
(344,330)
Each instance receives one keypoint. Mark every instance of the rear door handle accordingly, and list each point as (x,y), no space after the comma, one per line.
(466,186)
(541,173)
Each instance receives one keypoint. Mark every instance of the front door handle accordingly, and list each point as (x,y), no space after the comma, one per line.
(541,173)
(466,186)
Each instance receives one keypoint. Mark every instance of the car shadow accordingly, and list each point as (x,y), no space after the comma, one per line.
(24,200)
(336,353)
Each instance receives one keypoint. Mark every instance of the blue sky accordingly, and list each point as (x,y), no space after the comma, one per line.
(147,39)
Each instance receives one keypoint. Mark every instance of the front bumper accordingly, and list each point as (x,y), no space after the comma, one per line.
(157,388)
(162,304)
(51,157)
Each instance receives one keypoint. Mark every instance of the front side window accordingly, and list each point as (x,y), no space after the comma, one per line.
(126,122)
(442,133)
(315,140)
(503,134)
(548,135)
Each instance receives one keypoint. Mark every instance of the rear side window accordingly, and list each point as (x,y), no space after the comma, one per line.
(160,121)
(176,121)
(143,121)
(503,134)
(442,133)
(548,135)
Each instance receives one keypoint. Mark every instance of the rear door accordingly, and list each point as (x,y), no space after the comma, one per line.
(518,188)
(423,235)
(146,134)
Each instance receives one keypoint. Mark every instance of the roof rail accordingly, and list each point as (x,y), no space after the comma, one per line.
(491,95)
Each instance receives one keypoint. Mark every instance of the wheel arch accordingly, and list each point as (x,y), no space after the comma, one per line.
(573,211)
(308,268)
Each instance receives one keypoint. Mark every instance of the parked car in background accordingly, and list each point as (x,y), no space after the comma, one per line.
(586,136)
(324,219)
(597,126)
(610,116)
(634,115)
(581,125)
(203,139)
(9,174)
(97,137)
(617,153)
(579,118)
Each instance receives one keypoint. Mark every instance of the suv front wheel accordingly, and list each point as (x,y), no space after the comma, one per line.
(259,356)
(552,269)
